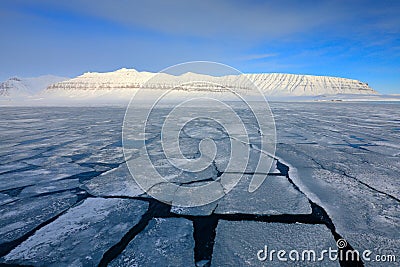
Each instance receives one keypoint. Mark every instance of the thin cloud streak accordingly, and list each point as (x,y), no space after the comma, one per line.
(325,37)
(258,56)
(211,19)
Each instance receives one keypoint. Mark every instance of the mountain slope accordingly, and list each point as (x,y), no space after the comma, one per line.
(307,85)
(271,84)
(16,86)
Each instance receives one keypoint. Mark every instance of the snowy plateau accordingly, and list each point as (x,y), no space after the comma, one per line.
(270,84)
(119,86)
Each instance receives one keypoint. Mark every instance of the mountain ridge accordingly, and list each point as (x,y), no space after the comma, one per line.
(19,86)
(271,84)
(128,80)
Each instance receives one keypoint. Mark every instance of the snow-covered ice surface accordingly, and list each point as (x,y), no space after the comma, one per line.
(67,197)
(164,242)
(275,196)
(347,158)
(237,243)
(21,217)
(115,182)
(85,231)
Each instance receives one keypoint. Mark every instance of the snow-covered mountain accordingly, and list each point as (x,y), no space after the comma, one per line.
(277,84)
(16,86)
(271,84)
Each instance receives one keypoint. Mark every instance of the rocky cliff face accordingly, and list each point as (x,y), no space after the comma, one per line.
(271,84)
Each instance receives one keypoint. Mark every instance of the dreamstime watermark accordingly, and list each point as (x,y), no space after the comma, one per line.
(331,254)
(194,119)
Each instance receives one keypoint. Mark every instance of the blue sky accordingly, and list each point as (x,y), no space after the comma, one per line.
(352,39)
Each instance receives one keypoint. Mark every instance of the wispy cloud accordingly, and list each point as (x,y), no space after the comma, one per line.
(208,18)
(257,56)
(321,37)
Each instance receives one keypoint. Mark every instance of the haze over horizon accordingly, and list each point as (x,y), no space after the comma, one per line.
(351,39)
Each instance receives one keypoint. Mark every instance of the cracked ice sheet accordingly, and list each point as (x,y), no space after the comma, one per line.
(384,150)
(18,155)
(369,167)
(48,161)
(376,170)
(190,177)
(114,155)
(49,187)
(32,177)
(203,210)
(12,166)
(356,138)
(256,161)
(4,199)
(82,235)
(115,182)
(173,174)
(365,218)
(164,242)
(275,196)
(22,216)
(241,248)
